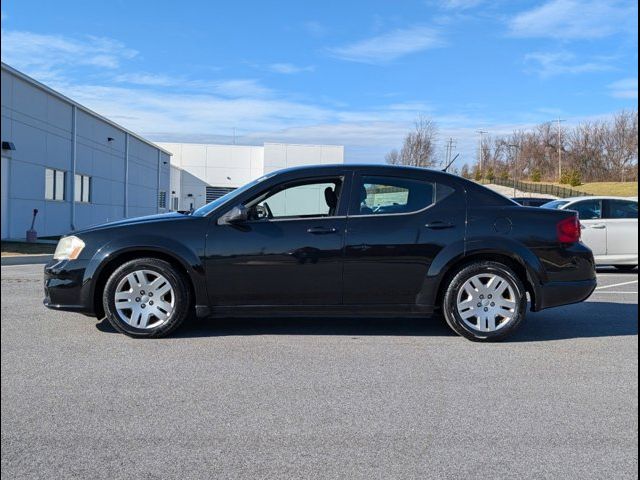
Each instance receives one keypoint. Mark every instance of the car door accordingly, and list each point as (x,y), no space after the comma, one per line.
(594,229)
(289,250)
(621,219)
(395,227)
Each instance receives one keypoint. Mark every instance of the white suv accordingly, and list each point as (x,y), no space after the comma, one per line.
(609,227)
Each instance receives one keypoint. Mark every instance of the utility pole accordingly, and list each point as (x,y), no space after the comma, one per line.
(559,120)
(515,167)
(481,132)
(449,150)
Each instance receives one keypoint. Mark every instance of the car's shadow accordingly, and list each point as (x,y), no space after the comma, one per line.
(601,269)
(583,320)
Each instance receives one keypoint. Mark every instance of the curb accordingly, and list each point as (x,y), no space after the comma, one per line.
(25,260)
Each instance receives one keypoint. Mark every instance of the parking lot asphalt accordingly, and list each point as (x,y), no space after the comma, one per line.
(314,398)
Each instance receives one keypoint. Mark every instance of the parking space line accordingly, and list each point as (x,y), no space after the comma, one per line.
(615,292)
(617,285)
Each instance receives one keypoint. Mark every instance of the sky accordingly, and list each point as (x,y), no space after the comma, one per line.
(353,73)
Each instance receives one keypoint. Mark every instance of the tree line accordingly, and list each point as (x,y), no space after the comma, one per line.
(592,151)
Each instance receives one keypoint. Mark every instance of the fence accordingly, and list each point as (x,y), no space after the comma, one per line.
(554,190)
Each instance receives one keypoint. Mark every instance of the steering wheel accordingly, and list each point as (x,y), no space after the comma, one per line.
(268,209)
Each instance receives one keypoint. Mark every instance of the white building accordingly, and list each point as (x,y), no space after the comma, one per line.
(73,165)
(78,168)
(203,172)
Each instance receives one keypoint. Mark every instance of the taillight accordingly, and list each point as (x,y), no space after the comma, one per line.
(569,230)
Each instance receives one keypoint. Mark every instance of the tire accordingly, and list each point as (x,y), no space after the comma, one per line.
(158,294)
(499,313)
(625,268)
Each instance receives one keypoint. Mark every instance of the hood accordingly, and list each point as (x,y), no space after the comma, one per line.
(160,217)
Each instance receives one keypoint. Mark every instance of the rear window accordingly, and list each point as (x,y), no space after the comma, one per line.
(555,204)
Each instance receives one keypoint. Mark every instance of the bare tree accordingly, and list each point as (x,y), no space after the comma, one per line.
(419,146)
(621,144)
(393,157)
(596,150)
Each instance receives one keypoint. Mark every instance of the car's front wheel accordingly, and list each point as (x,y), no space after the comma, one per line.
(146,297)
(485,301)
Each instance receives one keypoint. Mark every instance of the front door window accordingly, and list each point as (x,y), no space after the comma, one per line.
(588,209)
(312,199)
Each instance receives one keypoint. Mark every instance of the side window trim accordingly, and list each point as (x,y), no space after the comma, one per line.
(607,210)
(357,181)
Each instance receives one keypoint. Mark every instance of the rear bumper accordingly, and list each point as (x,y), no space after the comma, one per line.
(555,294)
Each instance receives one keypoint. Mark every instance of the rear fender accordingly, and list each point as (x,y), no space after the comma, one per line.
(458,253)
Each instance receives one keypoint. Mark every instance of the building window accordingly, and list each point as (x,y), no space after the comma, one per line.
(54,184)
(162,199)
(175,201)
(82,190)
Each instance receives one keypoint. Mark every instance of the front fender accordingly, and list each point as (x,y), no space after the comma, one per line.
(189,257)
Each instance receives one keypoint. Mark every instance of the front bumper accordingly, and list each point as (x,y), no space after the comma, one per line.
(65,287)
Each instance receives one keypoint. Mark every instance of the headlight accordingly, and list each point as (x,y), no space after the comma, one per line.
(68,248)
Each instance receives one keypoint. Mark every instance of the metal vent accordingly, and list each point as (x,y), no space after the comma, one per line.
(162,199)
(213,193)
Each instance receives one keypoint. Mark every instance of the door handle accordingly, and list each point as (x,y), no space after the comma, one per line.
(321,230)
(599,226)
(439,225)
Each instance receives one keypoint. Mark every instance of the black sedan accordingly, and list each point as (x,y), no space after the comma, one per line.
(329,240)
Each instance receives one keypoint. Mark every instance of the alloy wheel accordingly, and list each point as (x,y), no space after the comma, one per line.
(486,302)
(144,299)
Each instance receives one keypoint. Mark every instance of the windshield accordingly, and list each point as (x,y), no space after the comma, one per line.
(555,204)
(211,206)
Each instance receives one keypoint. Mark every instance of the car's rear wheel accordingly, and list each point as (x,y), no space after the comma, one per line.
(485,301)
(146,297)
(625,268)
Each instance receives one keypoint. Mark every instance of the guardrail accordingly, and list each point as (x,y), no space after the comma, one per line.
(561,192)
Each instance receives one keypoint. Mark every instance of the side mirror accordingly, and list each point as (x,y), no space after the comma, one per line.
(237,214)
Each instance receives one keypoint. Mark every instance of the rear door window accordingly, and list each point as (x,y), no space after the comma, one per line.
(380,195)
(620,209)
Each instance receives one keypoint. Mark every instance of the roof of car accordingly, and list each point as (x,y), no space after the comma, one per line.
(358,166)
(364,166)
